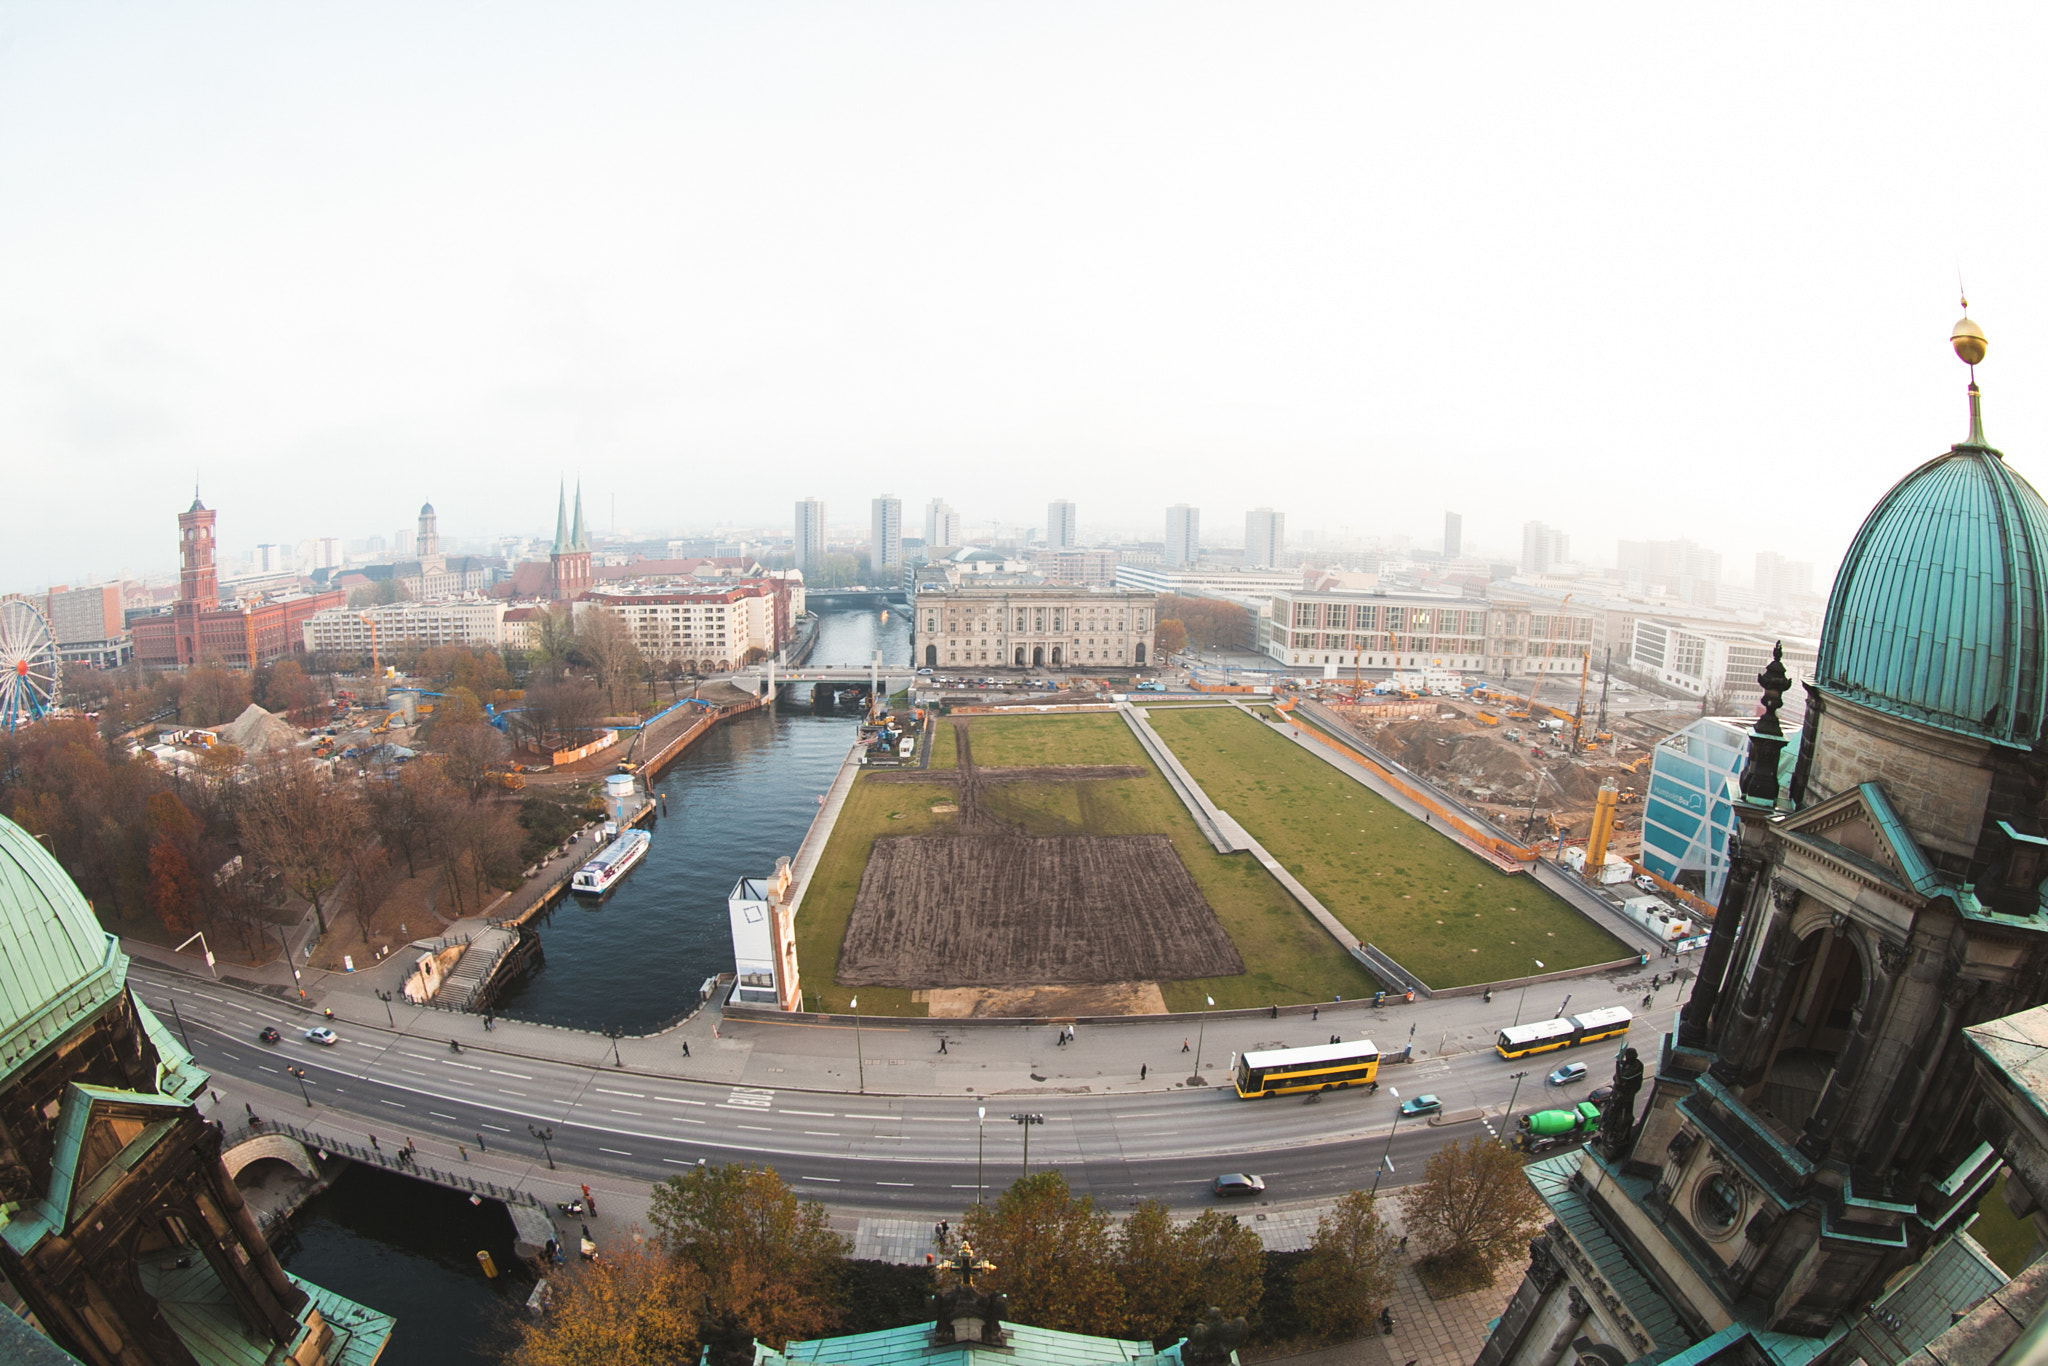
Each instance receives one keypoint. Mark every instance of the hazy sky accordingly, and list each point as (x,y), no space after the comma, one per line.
(1629,271)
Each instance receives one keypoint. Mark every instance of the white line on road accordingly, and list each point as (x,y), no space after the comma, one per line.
(636,1095)
(204,997)
(619,1152)
(894,1183)
(634,1113)
(820,1133)
(499,1127)
(757,1128)
(521,1075)
(851,1115)
(421,1056)
(471,1066)
(392,1103)
(681,1120)
(812,1114)
(271,1070)
(438,1115)
(833,1179)
(232,1006)
(942,1119)
(236,1056)
(966,1188)
(503,1092)
(678,1162)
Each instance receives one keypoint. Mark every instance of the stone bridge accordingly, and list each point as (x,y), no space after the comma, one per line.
(259,1146)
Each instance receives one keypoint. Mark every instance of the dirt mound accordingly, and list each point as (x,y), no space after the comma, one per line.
(1042,1003)
(994,910)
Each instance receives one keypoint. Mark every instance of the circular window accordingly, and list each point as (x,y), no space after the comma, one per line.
(1716,1204)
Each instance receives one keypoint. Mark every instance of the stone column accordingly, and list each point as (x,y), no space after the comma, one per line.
(1909,1092)
(1745,1036)
(1695,1021)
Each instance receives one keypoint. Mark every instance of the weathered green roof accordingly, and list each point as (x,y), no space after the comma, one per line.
(1939,610)
(911,1345)
(56,964)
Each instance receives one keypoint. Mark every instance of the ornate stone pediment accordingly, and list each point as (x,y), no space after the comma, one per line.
(1858,835)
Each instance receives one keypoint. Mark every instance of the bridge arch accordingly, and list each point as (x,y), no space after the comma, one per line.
(275,1147)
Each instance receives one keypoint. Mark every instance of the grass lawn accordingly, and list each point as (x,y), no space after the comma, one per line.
(943,754)
(1288,957)
(1049,738)
(1447,915)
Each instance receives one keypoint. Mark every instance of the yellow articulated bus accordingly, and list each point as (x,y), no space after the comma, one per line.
(1319,1067)
(1546,1035)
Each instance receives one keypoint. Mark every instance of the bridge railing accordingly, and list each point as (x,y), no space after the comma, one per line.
(392,1161)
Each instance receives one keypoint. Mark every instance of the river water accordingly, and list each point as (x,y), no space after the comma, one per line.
(742,797)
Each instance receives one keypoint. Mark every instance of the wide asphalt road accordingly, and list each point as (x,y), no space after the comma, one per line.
(918,1155)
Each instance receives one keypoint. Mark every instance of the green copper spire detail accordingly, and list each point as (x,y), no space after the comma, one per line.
(579,540)
(562,518)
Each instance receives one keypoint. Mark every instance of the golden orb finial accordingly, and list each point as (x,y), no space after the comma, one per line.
(1968,338)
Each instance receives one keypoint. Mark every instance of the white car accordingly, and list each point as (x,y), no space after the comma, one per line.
(322,1034)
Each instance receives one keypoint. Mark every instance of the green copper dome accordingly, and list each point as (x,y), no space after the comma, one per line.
(56,963)
(1937,615)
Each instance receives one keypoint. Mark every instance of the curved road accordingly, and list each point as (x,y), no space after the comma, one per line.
(905,1154)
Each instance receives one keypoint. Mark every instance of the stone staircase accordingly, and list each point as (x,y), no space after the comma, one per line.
(475,967)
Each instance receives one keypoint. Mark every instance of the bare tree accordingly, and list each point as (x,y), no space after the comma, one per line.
(300,824)
(1473,1210)
(607,642)
(554,640)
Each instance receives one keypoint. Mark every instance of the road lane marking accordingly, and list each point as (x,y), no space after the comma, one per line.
(271,1070)
(811,1114)
(851,1115)
(681,1120)
(503,1092)
(634,1113)
(894,1183)
(636,1095)
(236,1056)
(499,1127)
(966,1188)
(748,1098)
(833,1179)
(616,1152)
(420,1056)
(232,1006)
(757,1128)
(521,1075)
(438,1115)
(470,1065)
(204,997)
(940,1119)
(820,1133)
(396,1105)
(678,1162)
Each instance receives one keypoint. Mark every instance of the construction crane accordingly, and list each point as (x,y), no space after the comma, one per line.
(1579,711)
(1549,648)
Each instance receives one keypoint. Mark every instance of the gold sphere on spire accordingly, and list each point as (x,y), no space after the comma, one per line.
(1968,340)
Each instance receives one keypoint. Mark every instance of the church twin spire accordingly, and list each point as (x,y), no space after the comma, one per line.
(566,539)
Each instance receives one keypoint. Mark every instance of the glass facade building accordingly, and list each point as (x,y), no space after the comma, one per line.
(1687,815)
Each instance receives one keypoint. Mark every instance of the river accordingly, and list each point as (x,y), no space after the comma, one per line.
(738,800)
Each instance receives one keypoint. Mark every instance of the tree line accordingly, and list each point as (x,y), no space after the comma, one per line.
(736,1257)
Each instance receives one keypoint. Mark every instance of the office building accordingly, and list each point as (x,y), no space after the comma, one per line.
(1454,535)
(711,629)
(885,539)
(1062,530)
(809,541)
(1183,536)
(1779,580)
(1021,627)
(1679,569)
(88,626)
(1689,811)
(1096,568)
(1544,548)
(401,627)
(1265,532)
(941,527)
(1374,630)
(1715,662)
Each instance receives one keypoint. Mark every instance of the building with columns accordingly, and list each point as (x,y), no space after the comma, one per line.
(1030,627)
(1798,1186)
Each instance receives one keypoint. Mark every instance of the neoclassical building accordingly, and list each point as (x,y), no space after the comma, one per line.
(1030,627)
(1817,1137)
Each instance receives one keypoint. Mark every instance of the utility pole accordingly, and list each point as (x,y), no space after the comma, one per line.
(1508,1121)
(980,1126)
(1606,676)
(1027,1120)
(299,1075)
(1387,1153)
(385,997)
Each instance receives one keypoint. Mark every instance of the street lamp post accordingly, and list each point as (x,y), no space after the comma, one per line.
(1386,1153)
(1027,1120)
(385,997)
(299,1075)
(1201,1034)
(1567,1001)
(1508,1120)
(201,937)
(1524,998)
(860,1060)
(544,1135)
(980,1127)
(616,1033)
(181,1024)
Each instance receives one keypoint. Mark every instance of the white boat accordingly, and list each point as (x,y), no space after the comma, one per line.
(604,872)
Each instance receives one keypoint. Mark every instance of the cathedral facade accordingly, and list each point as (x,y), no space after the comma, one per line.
(1795,1183)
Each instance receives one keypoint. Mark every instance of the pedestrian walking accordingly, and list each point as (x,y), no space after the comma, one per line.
(373,1142)
(480,1144)
(1183,1044)
(1315,1012)
(1141,1070)
(686,1048)
(411,1146)
(464,1151)
(250,1108)
(1646,998)
(942,1043)
(1276,1012)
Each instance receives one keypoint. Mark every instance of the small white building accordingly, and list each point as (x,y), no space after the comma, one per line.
(764,941)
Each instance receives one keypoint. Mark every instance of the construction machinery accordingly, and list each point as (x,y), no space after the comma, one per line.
(1549,648)
(1579,709)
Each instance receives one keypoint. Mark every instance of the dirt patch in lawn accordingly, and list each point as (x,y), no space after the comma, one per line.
(999,910)
(1048,1002)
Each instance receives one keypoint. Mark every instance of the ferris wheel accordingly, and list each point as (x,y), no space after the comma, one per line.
(28,665)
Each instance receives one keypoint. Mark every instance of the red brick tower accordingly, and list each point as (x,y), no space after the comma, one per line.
(198,580)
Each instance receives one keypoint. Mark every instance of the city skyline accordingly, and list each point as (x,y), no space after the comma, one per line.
(465,278)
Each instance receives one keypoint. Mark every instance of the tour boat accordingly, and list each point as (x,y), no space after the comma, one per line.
(603,873)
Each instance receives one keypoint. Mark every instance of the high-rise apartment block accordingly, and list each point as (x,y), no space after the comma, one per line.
(1544,548)
(1062,531)
(1454,535)
(1183,536)
(810,534)
(941,527)
(1265,531)
(1778,579)
(885,536)
(1680,568)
